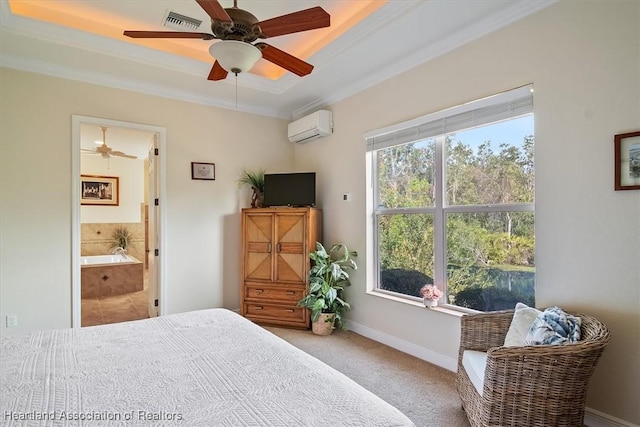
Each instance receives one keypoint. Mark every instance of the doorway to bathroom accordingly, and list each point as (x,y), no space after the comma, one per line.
(118,189)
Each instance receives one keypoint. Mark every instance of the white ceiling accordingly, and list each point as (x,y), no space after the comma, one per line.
(130,141)
(397,36)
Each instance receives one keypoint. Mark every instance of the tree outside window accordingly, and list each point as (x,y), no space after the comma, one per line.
(457,209)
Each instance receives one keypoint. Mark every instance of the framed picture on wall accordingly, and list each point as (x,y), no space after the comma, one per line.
(627,161)
(99,190)
(203,171)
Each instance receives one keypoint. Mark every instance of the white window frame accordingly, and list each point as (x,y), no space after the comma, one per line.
(503,106)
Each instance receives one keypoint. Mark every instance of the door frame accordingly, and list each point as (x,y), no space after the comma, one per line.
(76,120)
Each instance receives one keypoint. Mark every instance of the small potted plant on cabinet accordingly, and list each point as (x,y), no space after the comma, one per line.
(327,279)
(256,181)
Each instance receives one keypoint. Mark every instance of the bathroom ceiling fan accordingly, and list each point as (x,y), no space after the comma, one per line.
(236,30)
(106,151)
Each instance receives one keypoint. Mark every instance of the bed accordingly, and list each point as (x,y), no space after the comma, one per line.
(202,368)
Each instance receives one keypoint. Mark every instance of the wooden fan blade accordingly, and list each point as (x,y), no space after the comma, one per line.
(121,154)
(308,19)
(217,72)
(168,35)
(283,59)
(215,10)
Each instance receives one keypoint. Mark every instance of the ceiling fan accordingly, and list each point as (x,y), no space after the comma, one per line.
(105,151)
(236,30)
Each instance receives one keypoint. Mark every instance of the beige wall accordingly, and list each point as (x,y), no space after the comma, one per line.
(584,61)
(202,241)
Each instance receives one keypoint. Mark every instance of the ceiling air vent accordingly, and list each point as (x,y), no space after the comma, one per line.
(180,22)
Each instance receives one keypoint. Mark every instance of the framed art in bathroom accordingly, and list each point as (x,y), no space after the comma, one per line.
(627,161)
(99,190)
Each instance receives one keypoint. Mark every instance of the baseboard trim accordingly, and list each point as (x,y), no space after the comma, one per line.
(404,346)
(592,417)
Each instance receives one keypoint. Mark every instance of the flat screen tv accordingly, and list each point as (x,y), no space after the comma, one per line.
(290,189)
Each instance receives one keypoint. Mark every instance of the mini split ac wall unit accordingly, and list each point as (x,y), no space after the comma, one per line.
(313,126)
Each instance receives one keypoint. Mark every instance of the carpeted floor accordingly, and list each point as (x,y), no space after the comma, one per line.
(423,392)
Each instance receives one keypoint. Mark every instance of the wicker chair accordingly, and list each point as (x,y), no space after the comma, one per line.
(529,386)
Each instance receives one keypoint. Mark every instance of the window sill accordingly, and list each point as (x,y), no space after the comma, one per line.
(445,309)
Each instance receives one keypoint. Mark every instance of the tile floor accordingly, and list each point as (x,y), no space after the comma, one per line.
(115,309)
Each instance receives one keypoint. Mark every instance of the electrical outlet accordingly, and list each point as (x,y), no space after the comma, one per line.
(12,321)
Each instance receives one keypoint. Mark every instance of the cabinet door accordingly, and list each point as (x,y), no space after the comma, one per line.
(290,250)
(258,234)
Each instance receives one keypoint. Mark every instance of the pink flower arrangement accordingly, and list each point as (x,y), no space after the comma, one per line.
(430,292)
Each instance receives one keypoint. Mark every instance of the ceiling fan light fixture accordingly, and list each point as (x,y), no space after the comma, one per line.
(235,56)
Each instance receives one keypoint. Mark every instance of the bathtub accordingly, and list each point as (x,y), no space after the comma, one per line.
(106,259)
(107,275)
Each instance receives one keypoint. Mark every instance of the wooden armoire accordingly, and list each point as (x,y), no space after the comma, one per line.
(276,243)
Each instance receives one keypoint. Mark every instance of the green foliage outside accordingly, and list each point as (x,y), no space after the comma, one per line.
(491,257)
(491,299)
(406,282)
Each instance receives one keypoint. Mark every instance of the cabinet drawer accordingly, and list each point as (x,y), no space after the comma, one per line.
(267,311)
(273,293)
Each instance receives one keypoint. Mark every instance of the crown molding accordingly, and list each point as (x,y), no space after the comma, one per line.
(70,37)
(381,18)
(428,52)
(135,85)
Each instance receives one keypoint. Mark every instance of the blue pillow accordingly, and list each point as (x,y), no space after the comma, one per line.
(553,326)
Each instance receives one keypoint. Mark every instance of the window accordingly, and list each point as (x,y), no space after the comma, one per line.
(453,203)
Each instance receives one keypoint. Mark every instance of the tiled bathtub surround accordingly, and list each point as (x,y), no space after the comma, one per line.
(124,295)
(96,238)
(111,279)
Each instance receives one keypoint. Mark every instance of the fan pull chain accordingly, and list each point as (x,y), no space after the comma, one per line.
(236,91)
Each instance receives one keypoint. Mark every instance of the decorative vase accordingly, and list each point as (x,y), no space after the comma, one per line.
(257,199)
(323,324)
(428,302)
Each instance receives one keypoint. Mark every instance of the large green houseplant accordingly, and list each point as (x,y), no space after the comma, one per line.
(328,277)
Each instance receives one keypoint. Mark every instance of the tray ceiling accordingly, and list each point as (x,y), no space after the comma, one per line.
(369,41)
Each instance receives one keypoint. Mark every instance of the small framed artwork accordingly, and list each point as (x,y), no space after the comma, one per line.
(203,171)
(627,161)
(99,190)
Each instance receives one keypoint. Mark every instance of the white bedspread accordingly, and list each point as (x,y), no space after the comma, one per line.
(203,368)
